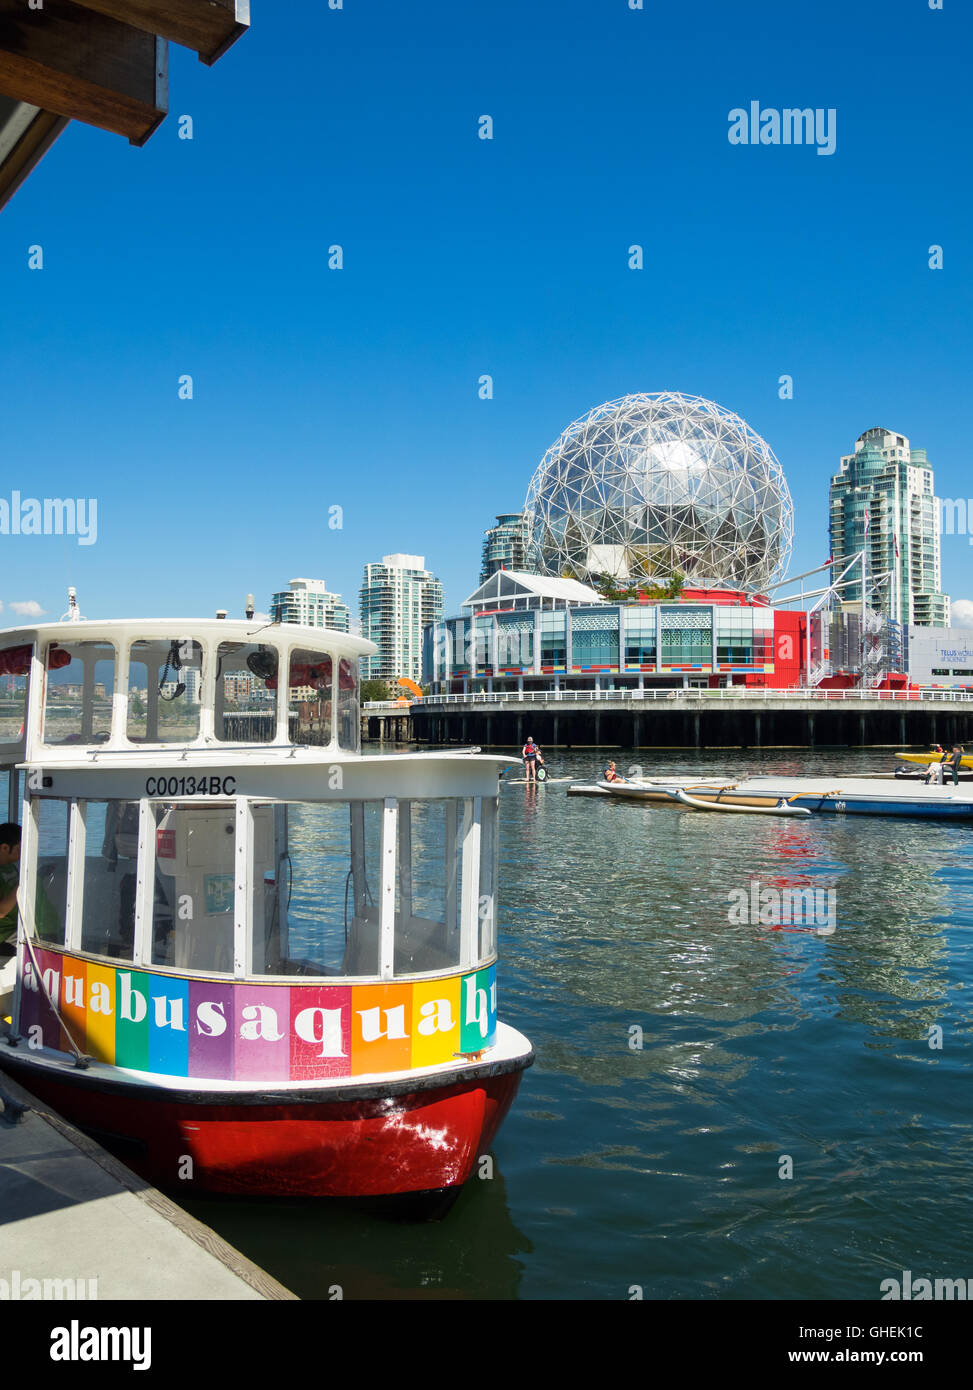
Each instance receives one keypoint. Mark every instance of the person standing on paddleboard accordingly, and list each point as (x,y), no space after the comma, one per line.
(531,755)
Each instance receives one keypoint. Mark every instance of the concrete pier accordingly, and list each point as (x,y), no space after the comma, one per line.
(735,717)
(84,1226)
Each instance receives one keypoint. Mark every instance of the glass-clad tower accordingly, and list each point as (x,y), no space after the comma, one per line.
(891,484)
(505,545)
(399,597)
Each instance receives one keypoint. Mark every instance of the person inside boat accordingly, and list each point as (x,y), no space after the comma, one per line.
(532,756)
(611,775)
(9,878)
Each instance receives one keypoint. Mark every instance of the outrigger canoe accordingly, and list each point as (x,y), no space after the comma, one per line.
(709,795)
(863,796)
(731,803)
(647,789)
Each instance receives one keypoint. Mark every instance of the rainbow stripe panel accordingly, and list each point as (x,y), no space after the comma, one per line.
(248,1031)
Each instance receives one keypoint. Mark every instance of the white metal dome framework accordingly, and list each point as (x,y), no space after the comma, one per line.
(652,485)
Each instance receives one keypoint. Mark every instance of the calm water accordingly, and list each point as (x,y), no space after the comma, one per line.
(660,1166)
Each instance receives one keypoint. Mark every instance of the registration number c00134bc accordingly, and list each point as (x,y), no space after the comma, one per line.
(190,786)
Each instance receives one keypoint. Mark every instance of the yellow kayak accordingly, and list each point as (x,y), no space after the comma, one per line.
(925,758)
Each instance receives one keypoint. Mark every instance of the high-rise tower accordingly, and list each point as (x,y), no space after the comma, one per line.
(308,602)
(505,545)
(398,598)
(890,484)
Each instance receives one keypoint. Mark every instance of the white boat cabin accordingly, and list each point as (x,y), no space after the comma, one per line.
(173,819)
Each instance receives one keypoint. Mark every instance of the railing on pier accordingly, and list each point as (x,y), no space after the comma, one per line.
(254,726)
(729,694)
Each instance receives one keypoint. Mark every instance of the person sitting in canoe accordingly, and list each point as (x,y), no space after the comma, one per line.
(532,756)
(610,775)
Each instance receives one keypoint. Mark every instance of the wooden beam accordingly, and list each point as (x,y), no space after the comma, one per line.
(208,27)
(24,140)
(85,66)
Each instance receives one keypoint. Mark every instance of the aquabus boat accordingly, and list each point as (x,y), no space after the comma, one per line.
(249,959)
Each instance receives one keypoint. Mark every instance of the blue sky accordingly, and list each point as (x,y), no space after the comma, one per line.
(358,387)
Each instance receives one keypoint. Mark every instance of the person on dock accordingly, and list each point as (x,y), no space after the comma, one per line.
(9,878)
(956,762)
(532,756)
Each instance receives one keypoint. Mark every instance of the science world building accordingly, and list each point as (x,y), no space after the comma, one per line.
(532,633)
(649,486)
(644,496)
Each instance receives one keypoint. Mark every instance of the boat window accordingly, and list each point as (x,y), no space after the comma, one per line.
(246,693)
(165,686)
(192,909)
(317,896)
(489,853)
(50,895)
(349,721)
(428,901)
(311,694)
(108,890)
(78,697)
(14,673)
(317,893)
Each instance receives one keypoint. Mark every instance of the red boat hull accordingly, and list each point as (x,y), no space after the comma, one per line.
(377,1144)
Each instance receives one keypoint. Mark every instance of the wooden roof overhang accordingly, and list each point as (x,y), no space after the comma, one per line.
(102,62)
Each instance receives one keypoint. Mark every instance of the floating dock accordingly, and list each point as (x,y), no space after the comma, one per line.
(81,1225)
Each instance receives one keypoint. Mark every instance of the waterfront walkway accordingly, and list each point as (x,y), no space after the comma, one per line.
(70,1214)
(734,717)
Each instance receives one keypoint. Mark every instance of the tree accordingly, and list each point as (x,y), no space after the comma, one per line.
(375,690)
(609,589)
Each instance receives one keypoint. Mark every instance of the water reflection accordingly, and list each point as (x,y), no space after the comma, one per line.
(315,1247)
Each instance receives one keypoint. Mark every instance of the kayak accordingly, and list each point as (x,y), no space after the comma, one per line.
(924,759)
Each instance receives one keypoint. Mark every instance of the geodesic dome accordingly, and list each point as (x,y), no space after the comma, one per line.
(653,484)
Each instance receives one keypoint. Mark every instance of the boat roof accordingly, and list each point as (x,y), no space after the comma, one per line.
(211,629)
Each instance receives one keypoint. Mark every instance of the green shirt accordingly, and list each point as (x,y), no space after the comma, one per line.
(9,878)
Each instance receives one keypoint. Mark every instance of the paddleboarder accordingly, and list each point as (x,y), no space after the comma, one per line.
(531,755)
